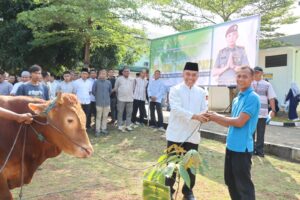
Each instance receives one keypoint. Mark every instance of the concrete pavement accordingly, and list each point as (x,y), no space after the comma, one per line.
(283,142)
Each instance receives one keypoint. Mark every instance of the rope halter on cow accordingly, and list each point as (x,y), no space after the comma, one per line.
(45,113)
(50,107)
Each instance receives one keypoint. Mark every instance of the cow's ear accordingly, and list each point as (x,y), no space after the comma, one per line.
(37,108)
(59,98)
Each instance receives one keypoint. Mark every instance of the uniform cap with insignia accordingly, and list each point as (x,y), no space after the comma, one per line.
(232,28)
(191,66)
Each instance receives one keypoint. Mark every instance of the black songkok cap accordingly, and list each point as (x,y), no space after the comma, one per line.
(85,70)
(191,66)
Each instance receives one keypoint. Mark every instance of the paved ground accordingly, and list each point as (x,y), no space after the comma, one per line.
(287,136)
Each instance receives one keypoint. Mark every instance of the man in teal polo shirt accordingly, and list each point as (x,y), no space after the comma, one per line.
(239,147)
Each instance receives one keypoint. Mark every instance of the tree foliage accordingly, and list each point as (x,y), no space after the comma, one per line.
(187,14)
(97,26)
(60,34)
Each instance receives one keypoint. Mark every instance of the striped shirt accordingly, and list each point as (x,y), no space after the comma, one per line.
(266,92)
(140,86)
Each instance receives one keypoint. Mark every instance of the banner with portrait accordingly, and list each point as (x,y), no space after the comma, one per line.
(219,50)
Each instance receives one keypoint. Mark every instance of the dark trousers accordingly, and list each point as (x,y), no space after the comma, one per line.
(156,106)
(86,109)
(93,112)
(138,105)
(171,181)
(113,108)
(238,176)
(260,136)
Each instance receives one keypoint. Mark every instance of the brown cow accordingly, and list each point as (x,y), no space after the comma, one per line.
(66,133)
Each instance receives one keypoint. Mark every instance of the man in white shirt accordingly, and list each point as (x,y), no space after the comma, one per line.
(66,86)
(139,95)
(266,92)
(188,107)
(53,86)
(124,90)
(83,90)
(156,93)
(5,86)
(25,77)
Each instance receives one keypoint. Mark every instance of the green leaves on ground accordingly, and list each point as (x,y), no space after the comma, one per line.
(174,161)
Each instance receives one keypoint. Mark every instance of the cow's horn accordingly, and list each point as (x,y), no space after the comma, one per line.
(59,98)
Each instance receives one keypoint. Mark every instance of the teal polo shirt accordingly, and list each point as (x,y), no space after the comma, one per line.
(241,139)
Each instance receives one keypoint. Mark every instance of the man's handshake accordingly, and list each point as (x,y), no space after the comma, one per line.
(206,117)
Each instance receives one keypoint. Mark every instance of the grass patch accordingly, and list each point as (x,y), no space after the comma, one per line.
(65,177)
(283,119)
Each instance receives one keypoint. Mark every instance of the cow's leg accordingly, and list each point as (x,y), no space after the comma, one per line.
(4,190)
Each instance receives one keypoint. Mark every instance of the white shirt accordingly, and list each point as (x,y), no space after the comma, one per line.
(185,102)
(266,92)
(65,87)
(15,88)
(140,89)
(124,89)
(53,88)
(83,89)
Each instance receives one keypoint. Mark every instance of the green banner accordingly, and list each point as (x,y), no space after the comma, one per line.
(219,50)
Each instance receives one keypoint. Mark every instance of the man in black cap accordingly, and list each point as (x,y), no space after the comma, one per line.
(266,93)
(188,106)
(229,59)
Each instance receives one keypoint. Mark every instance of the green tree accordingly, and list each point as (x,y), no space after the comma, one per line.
(17,51)
(188,14)
(14,36)
(94,23)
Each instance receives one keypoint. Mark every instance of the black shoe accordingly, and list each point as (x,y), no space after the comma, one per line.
(189,197)
(259,154)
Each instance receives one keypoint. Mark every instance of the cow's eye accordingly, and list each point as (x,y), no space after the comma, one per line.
(70,120)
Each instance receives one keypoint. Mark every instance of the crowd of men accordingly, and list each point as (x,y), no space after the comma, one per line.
(100,93)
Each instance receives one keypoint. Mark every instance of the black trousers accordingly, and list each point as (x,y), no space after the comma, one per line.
(86,109)
(92,112)
(260,136)
(171,181)
(113,108)
(138,105)
(156,106)
(238,176)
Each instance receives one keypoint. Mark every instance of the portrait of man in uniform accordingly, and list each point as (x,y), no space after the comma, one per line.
(229,59)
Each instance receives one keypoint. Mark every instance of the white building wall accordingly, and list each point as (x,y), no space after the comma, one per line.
(282,76)
(218,98)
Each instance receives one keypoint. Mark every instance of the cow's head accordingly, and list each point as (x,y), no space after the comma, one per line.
(67,129)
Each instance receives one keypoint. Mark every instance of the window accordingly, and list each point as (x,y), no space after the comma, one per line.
(276,61)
